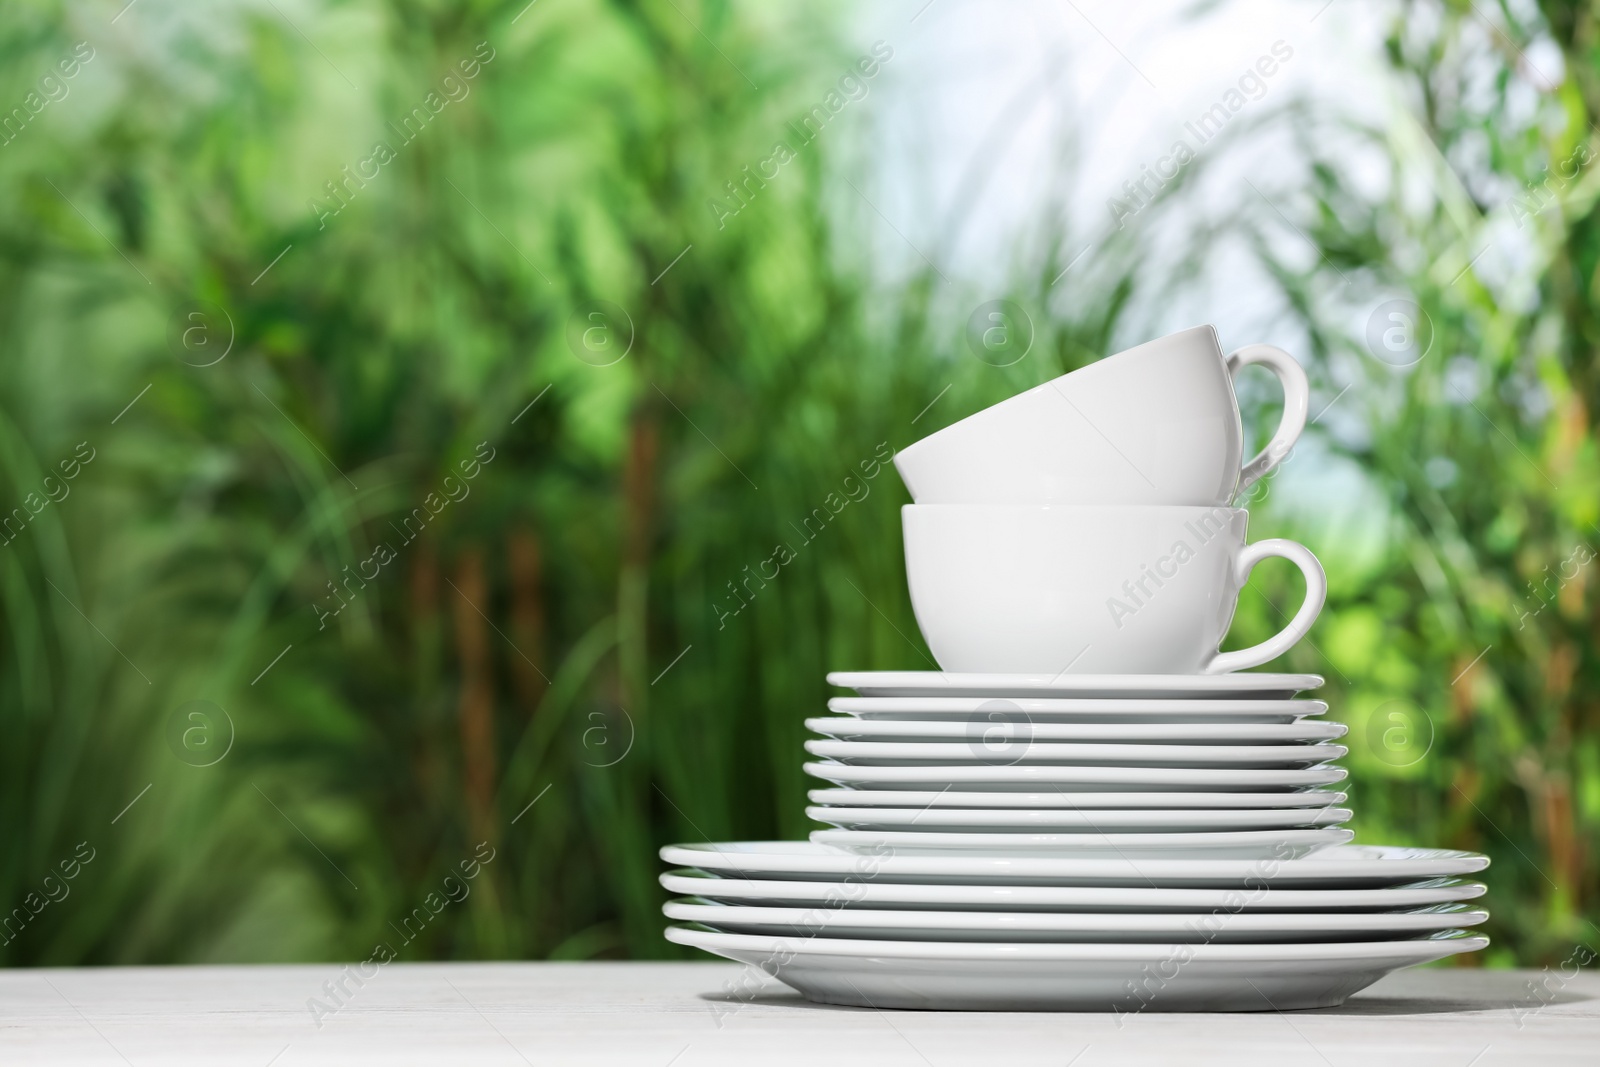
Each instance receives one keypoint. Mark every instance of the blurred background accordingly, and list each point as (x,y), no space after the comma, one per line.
(398,398)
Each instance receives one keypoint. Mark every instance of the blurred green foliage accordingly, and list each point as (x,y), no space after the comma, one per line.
(1464,653)
(564,653)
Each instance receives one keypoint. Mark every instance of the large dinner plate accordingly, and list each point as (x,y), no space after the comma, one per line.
(984,976)
(1185,686)
(1219,926)
(1033,777)
(1342,866)
(991,897)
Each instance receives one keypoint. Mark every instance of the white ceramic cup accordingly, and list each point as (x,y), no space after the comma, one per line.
(1157,424)
(1112,589)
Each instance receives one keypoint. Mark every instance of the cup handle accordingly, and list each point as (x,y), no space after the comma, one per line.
(1299,626)
(1296,399)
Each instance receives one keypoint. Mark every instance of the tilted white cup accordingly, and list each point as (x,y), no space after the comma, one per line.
(1157,424)
(1109,589)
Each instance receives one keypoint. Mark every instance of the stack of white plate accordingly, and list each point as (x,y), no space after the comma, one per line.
(1163,842)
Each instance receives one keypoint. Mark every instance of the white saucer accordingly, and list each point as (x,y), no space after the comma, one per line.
(1027,777)
(1055,798)
(1220,926)
(1010,746)
(1068,710)
(851,728)
(880,894)
(1002,820)
(1340,866)
(1266,845)
(1188,686)
(978,976)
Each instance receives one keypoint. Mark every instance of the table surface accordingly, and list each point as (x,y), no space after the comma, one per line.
(678,1015)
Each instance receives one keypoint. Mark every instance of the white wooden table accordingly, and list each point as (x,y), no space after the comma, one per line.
(676,1015)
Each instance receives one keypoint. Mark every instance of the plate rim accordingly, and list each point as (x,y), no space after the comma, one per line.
(1253,682)
(1145,896)
(1466,915)
(826,813)
(1073,952)
(1313,866)
(930,797)
(982,842)
(1019,772)
(1300,707)
(1286,753)
(1317,731)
